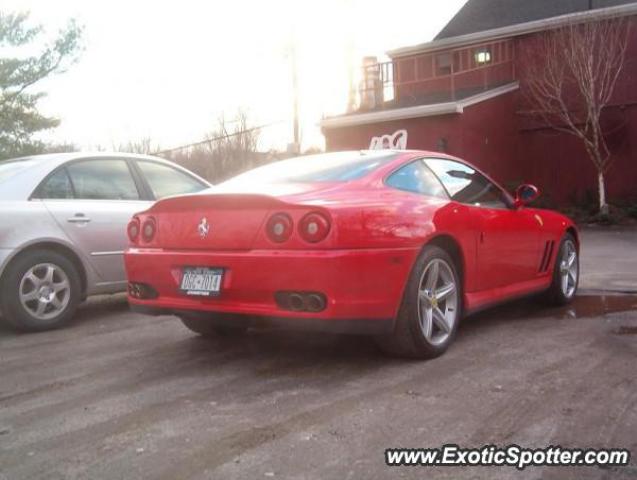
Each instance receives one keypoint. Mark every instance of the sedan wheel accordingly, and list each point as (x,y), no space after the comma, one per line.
(45,291)
(40,290)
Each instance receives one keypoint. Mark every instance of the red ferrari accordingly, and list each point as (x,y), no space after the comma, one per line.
(398,244)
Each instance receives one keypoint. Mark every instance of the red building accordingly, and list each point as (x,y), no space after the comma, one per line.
(463,93)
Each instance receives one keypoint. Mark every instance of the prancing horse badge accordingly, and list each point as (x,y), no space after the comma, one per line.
(203,227)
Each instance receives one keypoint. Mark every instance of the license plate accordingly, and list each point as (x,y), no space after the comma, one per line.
(201,281)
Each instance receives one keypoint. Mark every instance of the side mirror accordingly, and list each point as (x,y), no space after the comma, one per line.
(525,194)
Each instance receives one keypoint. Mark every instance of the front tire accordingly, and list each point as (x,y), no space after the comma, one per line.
(40,290)
(565,273)
(431,308)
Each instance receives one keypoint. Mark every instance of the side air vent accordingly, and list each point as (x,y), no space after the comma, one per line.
(546,257)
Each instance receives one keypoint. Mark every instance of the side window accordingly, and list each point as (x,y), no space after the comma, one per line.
(418,178)
(165,181)
(57,186)
(466,185)
(102,180)
(443,64)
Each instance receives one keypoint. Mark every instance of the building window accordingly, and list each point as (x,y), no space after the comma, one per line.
(443,64)
(482,56)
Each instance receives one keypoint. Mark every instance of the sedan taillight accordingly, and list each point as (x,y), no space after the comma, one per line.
(149,228)
(133,229)
(279,227)
(314,227)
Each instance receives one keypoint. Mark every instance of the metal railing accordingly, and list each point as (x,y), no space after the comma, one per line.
(444,73)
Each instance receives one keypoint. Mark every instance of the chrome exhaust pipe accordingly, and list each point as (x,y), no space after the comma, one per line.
(315,302)
(295,302)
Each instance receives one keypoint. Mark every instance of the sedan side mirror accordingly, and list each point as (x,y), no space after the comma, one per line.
(525,194)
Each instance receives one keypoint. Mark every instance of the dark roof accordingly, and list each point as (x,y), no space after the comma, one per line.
(432,98)
(479,15)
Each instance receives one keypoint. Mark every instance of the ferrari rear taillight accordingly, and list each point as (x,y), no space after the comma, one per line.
(314,227)
(133,229)
(149,228)
(279,227)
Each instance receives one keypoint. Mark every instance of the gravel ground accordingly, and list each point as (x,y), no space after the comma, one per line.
(119,395)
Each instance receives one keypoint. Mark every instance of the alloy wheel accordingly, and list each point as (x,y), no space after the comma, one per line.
(569,269)
(45,291)
(437,301)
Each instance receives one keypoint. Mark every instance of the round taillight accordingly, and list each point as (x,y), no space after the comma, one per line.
(314,227)
(133,229)
(279,227)
(148,229)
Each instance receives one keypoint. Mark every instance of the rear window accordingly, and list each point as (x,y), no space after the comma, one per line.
(328,167)
(165,180)
(12,167)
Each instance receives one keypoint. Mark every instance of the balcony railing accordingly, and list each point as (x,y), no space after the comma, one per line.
(435,77)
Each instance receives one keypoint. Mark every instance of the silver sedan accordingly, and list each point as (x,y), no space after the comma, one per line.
(63,224)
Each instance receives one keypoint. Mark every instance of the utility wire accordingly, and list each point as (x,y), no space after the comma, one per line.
(209,140)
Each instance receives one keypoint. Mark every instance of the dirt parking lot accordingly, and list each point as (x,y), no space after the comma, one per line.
(119,395)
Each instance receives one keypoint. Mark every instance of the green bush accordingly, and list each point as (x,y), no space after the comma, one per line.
(631,210)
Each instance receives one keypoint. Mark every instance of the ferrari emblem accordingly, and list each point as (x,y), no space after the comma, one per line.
(203,228)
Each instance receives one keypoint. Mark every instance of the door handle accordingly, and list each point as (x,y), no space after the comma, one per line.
(78,218)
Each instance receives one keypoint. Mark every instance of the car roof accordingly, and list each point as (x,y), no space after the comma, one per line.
(24,182)
(60,158)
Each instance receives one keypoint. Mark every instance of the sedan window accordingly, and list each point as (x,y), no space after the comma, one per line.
(466,185)
(57,186)
(165,181)
(418,178)
(102,180)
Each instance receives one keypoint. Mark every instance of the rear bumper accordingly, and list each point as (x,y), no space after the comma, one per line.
(359,326)
(361,286)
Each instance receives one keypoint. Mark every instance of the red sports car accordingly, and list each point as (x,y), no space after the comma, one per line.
(399,244)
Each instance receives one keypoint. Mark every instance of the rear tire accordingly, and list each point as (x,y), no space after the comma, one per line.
(207,327)
(565,273)
(431,308)
(40,290)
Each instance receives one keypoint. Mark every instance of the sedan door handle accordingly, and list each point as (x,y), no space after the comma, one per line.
(78,218)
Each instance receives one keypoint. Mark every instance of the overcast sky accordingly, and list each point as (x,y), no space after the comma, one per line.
(167,69)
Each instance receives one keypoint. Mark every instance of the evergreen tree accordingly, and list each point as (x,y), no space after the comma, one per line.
(20,70)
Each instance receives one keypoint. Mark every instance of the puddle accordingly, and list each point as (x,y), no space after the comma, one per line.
(623,330)
(584,306)
(599,305)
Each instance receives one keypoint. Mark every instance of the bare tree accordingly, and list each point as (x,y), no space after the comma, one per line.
(230,148)
(570,79)
(233,150)
(144,145)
